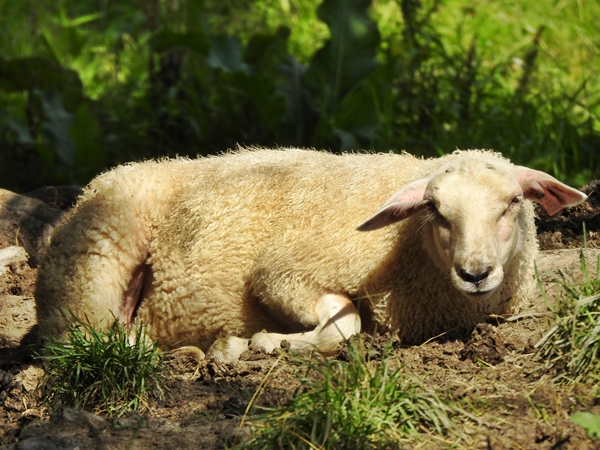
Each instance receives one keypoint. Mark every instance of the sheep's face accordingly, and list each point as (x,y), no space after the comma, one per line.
(472,209)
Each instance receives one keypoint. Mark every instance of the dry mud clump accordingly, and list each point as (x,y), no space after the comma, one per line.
(491,369)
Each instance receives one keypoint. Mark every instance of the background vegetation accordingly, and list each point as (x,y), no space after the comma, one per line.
(86,84)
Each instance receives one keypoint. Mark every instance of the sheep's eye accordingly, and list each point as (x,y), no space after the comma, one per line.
(433,209)
(513,203)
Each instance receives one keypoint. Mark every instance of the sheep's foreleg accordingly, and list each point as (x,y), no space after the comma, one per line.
(338,320)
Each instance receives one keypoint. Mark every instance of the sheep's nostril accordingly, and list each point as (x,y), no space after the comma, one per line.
(475,278)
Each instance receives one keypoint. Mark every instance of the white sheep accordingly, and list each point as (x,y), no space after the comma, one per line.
(263,245)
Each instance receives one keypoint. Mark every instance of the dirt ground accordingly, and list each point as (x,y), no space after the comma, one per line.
(204,406)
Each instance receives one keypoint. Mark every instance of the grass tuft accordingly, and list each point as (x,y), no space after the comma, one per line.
(571,348)
(358,404)
(110,371)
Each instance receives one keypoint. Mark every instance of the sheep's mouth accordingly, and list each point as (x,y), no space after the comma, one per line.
(478,295)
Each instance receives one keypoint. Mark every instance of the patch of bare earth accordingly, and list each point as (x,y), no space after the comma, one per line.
(491,370)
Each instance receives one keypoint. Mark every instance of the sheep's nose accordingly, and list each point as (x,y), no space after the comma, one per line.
(475,278)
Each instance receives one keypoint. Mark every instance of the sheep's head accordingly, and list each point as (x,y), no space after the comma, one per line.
(473,208)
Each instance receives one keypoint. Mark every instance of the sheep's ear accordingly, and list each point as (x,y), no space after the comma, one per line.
(404,203)
(547,190)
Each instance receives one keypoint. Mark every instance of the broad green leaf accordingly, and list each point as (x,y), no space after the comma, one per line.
(87,136)
(194,10)
(588,421)
(64,43)
(266,52)
(226,54)
(166,40)
(21,131)
(347,139)
(349,55)
(29,73)
(82,20)
(268,102)
(264,55)
(56,127)
(359,113)
(302,114)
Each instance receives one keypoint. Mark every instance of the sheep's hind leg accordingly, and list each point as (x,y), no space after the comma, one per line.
(137,290)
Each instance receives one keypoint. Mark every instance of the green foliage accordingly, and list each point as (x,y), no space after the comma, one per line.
(111,371)
(85,85)
(349,55)
(589,422)
(363,403)
(571,348)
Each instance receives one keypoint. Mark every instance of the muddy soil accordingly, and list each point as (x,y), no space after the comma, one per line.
(204,407)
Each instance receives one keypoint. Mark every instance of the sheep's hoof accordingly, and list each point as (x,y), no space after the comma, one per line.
(228,349)
(266,341)
(188,352)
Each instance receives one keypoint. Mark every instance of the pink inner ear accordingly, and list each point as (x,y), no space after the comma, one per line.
(404,203)
(412,193)
(550,202)
(547,190)
(391,213)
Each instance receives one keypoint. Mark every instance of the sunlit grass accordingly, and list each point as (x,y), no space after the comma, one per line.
(365,402)
(570,350)
(110,371)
